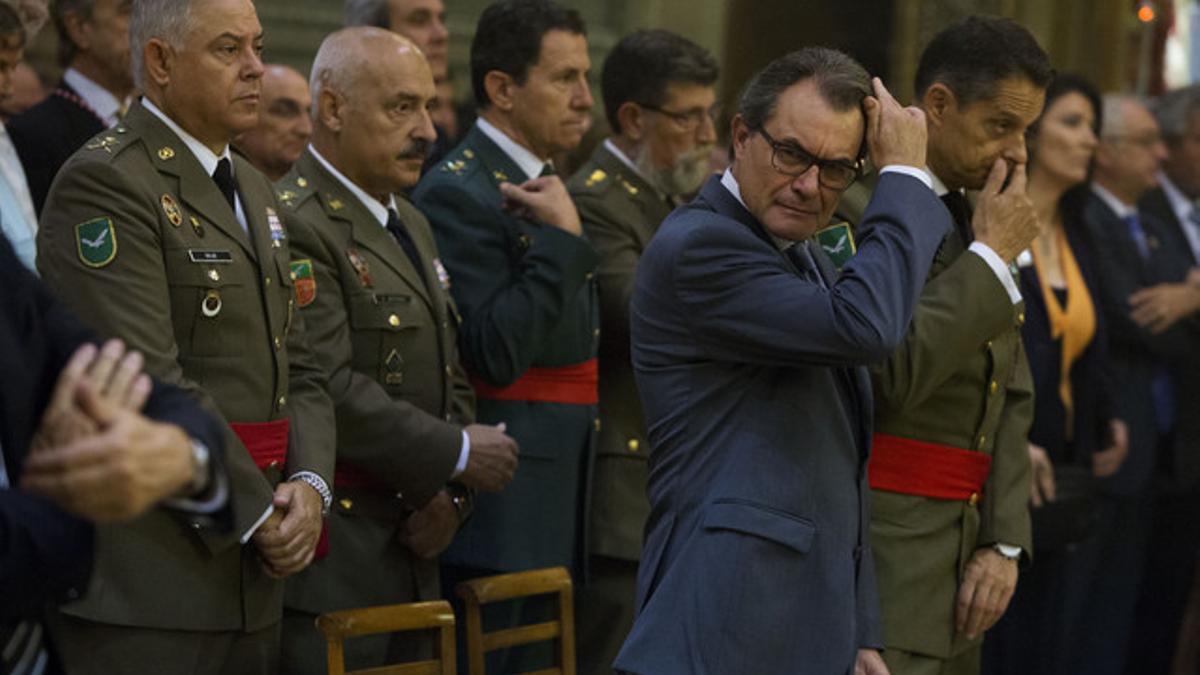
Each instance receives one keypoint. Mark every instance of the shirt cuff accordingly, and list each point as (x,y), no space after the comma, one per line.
(258,523)
(1008,550)
(913,171)
(464,454)
(1002,271)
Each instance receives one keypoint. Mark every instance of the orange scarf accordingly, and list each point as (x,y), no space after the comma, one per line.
(1075,324)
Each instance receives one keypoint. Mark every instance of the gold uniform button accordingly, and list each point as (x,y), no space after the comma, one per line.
(346,504)
(278,343)
(974,499)
(448,371)
(595,332)
(589,276)
(633,445)
(267,280)
(394,321)
(214,275)
(274,464)
(596,423)
(982,440)
(994,386)
(282,402)
(1020,318)
(988,345)
(447,417)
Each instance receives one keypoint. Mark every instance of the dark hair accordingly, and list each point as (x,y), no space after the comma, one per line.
(1069,83)
(972,55)
(11,26)
(843,83)
(509,39)
(59,9)
(643,63)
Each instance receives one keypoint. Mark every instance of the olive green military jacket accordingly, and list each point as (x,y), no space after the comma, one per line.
(139,241)
(386,334)
(526,291)
(960,378)
(620,212)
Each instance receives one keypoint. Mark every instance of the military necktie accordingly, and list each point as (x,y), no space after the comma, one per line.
(547,170)
(406,242)
(223,177)
(960,211)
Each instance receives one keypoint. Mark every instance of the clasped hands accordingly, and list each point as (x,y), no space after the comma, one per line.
(94,454)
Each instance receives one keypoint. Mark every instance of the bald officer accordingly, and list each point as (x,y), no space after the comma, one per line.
(375,299)
(155,233)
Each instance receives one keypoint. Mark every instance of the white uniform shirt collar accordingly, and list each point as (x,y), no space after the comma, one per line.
(207,158)
(378,210)
(730,183)
(612,147)
(99,99)
(520,155)
(1118,207)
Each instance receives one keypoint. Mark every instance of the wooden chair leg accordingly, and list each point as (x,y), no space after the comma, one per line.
(334,658)
(566,642)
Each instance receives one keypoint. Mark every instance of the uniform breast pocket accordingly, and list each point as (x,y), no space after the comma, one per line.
(380,327)
(209,302)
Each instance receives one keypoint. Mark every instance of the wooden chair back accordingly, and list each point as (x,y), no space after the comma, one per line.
(337,626)
(484,590)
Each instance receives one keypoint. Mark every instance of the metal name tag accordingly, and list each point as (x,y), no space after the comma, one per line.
(197,255)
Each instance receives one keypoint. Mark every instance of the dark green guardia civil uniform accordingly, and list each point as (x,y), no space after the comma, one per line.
(960,379)
(385,331)
(620,211)
(527,297)
(140,242)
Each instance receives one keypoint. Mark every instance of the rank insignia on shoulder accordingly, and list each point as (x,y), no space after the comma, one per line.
(106,144)
(174,215)
(838,243)
(442,275)
(596,177)
(468,153)
(301,181)
(96,241)
(336,204)
(360,267)
(455,165)
(304,281)
(276,227)
(286,197)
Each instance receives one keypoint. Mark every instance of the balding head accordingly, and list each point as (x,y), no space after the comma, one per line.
(1131,148)
(372,90)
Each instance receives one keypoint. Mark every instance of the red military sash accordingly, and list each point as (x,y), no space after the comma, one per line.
(924,469)
(576,384)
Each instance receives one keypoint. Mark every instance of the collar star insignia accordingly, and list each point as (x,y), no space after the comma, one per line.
(286,196)
(165,153)
(469,153)
(302,182)
(499,175)
(456,165)
(106,144)
(336,204)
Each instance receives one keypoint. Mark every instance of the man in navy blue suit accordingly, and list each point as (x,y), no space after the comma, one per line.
(749,355)
(75,449)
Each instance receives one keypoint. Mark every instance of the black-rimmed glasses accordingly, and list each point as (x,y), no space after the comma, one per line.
(790,159)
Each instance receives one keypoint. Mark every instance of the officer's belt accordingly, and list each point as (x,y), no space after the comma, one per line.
(924,469)
(267,442)
(576,384)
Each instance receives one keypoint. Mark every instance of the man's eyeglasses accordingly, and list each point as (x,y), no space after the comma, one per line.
(688,119)
(790,159)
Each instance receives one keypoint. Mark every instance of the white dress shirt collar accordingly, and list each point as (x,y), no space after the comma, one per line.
(1118,207)
(378,210)
(939,188)
(519,154)
(100,100)
(612,147)
(730,183)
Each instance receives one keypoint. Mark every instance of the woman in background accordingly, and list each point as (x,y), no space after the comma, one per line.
(1073,429)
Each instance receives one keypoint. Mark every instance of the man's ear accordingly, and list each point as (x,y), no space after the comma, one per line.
(330,109)
(159,58)
(938,102)
(632,119)
(739,135)
(500,88)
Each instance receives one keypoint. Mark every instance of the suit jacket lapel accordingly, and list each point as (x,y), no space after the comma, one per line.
(196,188)
(340,204)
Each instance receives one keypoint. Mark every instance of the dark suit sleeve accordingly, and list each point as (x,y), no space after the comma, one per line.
(508,310)
(745,307)
(410,450)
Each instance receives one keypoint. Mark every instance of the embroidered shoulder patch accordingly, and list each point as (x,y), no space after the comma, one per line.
(304,281)
(96,241)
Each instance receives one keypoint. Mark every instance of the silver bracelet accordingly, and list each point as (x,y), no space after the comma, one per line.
(317,484)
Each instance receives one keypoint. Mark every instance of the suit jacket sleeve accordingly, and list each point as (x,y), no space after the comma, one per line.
(508,309)
(410,450)
(747,307)
(1004,511)
(129,298)
(959,310)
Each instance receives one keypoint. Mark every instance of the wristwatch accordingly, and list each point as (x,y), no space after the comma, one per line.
(200,461)
(1007,552)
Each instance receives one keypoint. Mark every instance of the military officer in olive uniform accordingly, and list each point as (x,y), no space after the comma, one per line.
(376,302)
(658,95)
(521,273)
(191,269)
(949,467)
